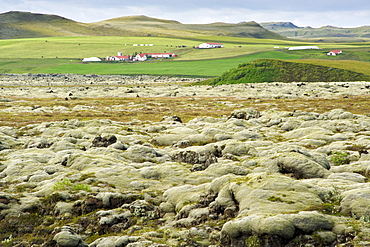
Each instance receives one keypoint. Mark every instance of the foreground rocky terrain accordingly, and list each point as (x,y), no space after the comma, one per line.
(251,177)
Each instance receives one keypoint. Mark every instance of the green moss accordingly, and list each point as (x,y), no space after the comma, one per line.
(66,184)
(339,158)
(253,241)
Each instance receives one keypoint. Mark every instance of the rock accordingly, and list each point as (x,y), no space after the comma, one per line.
(140,153)
(63,208)
(192,157)
(104,141)
(311,221)
(283,226)
(238,149)
(68,238)
(355,177)
(7,142)
(297,165)
(246,113)
(172,119)
(114,241)
(355,202)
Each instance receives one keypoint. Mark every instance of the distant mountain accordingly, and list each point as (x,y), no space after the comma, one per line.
(277,26)
(16,24)
(290,30)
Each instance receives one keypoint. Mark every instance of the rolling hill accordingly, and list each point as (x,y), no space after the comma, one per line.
(16,24)
(271,70)
(28,25)
(329,33)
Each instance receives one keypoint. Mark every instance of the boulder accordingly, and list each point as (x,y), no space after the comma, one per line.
(298,165)
(245,113)
(356,202)
(68,238)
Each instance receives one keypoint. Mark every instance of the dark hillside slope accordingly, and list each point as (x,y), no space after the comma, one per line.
(268,70)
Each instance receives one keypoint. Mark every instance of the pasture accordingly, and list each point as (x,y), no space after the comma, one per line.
(64,54)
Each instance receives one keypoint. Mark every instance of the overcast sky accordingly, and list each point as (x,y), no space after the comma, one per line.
(314,13)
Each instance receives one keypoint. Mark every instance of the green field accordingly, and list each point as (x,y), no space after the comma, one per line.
(64,54)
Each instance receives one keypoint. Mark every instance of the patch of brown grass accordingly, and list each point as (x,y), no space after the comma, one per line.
(153,109)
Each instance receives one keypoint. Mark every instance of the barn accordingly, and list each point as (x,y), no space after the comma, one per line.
(91,59)
(210,45)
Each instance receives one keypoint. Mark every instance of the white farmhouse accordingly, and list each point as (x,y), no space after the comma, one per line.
(334,52)
(140,57)
(210,45)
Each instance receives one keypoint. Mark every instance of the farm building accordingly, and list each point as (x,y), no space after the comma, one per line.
(334,52)
(119,58)
(91,59)
(160,55)
(140,57)
(210,45)
(295,48)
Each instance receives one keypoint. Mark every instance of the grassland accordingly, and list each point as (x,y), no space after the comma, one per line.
(64,54)
(153,109)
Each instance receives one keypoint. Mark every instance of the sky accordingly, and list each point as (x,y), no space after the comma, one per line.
(313,13)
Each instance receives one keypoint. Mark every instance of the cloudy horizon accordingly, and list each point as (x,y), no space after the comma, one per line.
(313,13)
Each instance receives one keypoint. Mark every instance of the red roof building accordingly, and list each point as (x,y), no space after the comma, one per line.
(334,52)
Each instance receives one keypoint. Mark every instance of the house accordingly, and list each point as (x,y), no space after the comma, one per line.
(295,48)
(210,45)
(140,57)
(334,52)
(160,55)
(119,58)
(91,59)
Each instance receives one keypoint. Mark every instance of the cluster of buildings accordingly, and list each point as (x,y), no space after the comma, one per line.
(295,48)
(140,57)
(145,56)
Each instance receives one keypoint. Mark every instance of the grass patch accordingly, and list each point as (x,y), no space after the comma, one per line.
(186,108)
(339,158)
(66,184)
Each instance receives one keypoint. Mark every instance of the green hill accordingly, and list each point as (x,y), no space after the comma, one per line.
(157,27)
(268,70)
(16,24)
(28,25)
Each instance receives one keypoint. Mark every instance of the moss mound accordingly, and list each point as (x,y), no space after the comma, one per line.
(269,70)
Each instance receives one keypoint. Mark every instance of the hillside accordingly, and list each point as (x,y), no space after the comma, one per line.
(16,24)
(157,27)
(28,25)
(268,70)
(290,30)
